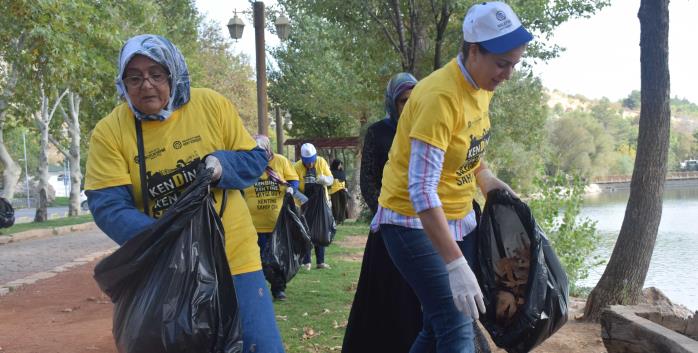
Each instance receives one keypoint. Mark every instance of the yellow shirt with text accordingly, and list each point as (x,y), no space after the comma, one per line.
(444,111)
(321,168)
(265,198)
(173,148)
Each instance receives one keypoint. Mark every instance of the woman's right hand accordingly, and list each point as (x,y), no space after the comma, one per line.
(465,289)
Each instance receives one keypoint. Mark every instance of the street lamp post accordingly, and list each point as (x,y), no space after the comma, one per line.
(235,27)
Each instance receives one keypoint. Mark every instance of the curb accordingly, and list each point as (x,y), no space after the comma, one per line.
(46,232)
(12,286)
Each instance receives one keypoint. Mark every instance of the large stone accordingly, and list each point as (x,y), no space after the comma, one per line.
(625,329)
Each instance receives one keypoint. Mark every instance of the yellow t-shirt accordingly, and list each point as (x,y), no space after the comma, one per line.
(265,198)
(337,185)
(173,147)
(445,111)
(321,168)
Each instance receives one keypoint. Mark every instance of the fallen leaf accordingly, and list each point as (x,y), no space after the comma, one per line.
(308,333)
(67,310)
(281,317)
(91,299)
(305,314)
(325,311)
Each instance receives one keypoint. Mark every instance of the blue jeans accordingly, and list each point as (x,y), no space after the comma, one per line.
(319,255)
(445,329)
(259,330)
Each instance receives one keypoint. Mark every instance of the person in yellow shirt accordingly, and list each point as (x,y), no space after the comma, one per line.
(339,196)
(313,169)
(434,166)
(265,199)
(178,128)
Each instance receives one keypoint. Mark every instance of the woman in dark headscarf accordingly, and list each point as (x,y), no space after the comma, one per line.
(338,191)
(386,315)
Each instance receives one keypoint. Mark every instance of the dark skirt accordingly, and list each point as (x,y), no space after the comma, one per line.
(386,315)
(339,205)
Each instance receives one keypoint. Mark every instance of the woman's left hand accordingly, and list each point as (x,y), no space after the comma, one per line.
(488,182)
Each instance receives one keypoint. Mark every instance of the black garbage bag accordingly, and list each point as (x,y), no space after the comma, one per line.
(318,215)
(7,213)
(340,211)
(287,245)
(523,283)
(171,285)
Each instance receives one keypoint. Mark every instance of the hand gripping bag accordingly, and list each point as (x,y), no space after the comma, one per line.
(171,286)
(318,214)
(288,244)
(523,283)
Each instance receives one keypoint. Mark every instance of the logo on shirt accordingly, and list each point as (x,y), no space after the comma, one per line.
(165,186)
(475,150)
(181,143)
(267,192)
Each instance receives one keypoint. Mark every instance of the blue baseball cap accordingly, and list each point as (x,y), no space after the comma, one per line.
(495,27)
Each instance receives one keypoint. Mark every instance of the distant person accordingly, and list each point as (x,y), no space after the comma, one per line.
(313,169)
(339,196)
(386,315)
(179,128)
(265,199)
(7,213)
(433,171)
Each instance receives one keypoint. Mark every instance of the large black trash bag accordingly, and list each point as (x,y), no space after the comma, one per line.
(507,232)
(171,284)
(7,213)
(318,215)
(288,244)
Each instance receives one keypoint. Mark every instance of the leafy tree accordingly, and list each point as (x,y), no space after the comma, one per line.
(633,100)
(518,145)
(557,212)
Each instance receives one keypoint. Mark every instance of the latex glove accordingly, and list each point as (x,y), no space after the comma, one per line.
(289,190)
(213,163)
(465,289)
(326,180)
(488,182)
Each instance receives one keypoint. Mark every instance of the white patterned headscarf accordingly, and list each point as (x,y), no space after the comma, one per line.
(162,51)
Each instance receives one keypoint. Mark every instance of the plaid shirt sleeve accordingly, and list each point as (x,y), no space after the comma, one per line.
(426,162)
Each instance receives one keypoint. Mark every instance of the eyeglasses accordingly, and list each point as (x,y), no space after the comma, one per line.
(156,79)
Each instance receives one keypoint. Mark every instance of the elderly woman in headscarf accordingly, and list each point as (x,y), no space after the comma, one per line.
(265,199)
(385,315)
(176,128)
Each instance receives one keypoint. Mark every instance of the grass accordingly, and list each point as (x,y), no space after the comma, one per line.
(58,222)
(314,317)
(61,202)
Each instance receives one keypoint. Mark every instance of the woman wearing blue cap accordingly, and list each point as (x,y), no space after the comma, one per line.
(178,128)
(434,167)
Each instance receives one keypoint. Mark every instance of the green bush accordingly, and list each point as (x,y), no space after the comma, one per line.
(557,212)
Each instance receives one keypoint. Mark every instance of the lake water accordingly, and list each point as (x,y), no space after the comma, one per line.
(674,266)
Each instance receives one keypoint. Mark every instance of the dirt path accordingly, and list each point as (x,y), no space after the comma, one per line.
(69,314)
(64,314)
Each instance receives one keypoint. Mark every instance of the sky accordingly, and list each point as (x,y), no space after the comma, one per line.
(602,56)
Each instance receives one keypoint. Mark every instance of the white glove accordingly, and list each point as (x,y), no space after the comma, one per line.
(213,163)
(289,190)
(464,287)
(326,180)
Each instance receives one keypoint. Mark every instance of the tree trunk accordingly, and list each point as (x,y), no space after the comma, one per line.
(625,274)
(42,188)
(354,203)
(43,121)
(10,176)
(73,122)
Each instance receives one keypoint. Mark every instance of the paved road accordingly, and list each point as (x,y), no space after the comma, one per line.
(24,258)
(26,215)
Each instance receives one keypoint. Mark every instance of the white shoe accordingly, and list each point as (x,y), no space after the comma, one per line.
(323,266)
(307,266)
